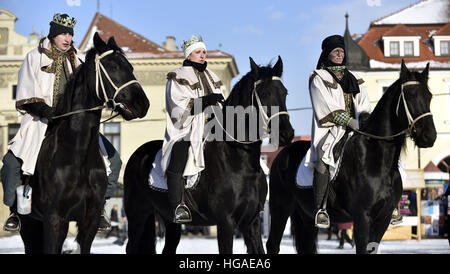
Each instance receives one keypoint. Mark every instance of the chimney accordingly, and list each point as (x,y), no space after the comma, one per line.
(34,37)
(169,44)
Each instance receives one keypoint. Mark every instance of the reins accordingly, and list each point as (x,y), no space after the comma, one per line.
(411,121)
(109,103)
(265,117)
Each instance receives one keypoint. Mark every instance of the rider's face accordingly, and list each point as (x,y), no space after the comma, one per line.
(198,56)
(337,55)
(63,41)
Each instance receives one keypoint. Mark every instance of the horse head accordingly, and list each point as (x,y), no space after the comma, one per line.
(413,106)
(270,98)
(115,82)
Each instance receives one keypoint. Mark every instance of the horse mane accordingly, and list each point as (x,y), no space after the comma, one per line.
(77,80)
(241,92)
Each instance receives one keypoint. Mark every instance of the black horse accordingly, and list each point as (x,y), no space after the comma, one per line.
(368,185)
(232,188)
(70,180)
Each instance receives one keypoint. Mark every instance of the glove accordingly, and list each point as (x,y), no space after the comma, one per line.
(206,101)
(212,99)
(353,124)
(41,110)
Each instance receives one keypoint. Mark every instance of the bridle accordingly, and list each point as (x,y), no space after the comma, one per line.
(265,118)
(411,121)
(108,103)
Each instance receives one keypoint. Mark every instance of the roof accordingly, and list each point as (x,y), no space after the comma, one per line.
(372,44)
(400,30)
(444,31)
(422,12)
(134,45)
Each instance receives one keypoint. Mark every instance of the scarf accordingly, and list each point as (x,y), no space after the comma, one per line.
(58,67)
(197,66)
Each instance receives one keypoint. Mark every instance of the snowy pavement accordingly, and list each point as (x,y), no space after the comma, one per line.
(201,245)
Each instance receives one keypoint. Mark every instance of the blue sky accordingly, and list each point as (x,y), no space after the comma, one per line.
(262,29)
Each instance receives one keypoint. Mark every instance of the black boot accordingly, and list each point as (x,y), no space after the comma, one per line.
(12,224)
(320,184)
(104,224)
(175,187)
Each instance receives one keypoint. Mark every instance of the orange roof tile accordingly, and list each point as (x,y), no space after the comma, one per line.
(400,30)
(445,30)
(137,46)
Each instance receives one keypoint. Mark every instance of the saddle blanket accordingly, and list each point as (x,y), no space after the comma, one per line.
(157,181)
(305,174)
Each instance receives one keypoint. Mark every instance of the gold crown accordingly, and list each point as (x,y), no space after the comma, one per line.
(64,21)
(194,39)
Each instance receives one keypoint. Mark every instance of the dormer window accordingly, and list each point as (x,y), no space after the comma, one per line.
(401,41)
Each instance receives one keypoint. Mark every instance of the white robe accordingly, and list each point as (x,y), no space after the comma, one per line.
(183,86)
(327,96)
(33,85)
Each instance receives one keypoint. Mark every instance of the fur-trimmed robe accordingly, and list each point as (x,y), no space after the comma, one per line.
(33,85)
(327,98)
(183,87)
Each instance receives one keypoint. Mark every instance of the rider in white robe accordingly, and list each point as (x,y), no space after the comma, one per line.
(189,90)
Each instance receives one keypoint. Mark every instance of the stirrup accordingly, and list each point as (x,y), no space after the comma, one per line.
(323,223)
(184,216)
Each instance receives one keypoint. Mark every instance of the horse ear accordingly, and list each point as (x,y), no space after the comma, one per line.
(99,44)
(278,68)
(254,68)
(404,72)
(112,43)
(425,71)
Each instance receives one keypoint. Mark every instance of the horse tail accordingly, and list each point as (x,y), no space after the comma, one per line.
(137,200)
(304,233)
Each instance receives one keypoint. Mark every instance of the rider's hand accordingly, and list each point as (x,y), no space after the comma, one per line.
(212,99)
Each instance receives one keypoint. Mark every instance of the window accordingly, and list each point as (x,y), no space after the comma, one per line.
(445,45)
(12,130)
(394,48)
(409,48)
(14,92)
(112,133)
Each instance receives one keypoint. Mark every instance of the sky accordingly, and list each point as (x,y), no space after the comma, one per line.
(261,29)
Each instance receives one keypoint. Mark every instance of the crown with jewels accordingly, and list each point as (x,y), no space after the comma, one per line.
(194,39)
(64,21)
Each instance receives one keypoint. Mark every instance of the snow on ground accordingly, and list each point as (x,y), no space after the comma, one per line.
(201,245)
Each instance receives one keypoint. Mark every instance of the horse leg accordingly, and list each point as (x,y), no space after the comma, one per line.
(172,238)
(31,233)
(377,230)
(361,233)
(87,229)
(141,230)
(252,236)
(225,237)
(55,231)
(281,204)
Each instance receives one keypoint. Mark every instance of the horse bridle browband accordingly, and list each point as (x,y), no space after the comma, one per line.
(266,118)
(411,121)
(109,103)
